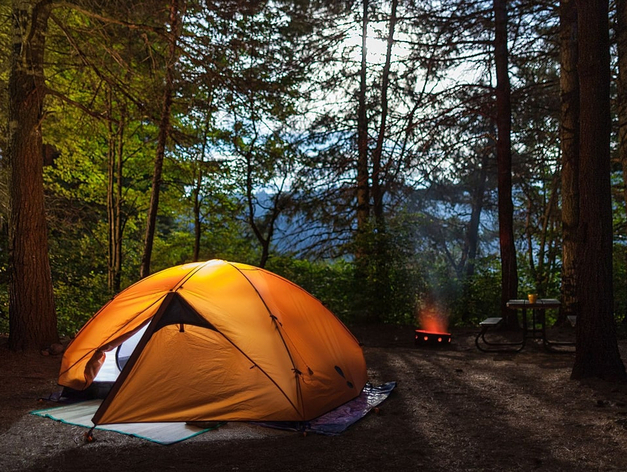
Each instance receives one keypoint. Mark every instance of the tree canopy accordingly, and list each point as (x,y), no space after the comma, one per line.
(379,153)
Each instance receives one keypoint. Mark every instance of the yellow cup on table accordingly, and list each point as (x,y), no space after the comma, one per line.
(532,298)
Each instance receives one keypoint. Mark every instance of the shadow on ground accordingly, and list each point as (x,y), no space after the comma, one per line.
(454,408)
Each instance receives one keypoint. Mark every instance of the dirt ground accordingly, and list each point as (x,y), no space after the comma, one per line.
(453,409)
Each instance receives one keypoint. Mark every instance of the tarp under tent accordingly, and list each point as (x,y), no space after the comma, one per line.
(216,341)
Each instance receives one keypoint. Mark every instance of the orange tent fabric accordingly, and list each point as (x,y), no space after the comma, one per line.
(224,341)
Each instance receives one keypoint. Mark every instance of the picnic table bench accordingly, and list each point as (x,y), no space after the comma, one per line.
(489,346)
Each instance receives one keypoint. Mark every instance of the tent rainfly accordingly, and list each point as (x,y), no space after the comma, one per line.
(223,341)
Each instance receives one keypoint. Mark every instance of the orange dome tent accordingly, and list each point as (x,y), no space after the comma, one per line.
(222,342)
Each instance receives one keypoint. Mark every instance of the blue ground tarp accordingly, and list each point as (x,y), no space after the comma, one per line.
(338,420)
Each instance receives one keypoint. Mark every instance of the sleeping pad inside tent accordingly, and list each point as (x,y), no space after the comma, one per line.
(215,341)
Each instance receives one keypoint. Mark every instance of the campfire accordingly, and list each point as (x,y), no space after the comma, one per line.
(434,325)
(431,338)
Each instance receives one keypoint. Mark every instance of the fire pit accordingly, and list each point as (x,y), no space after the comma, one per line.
(431,338)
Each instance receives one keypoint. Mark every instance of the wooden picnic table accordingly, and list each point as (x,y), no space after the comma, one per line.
(533,322)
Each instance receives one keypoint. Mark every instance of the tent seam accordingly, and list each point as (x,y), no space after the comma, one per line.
(274,319)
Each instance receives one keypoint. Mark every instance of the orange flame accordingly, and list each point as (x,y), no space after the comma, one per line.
(432,319)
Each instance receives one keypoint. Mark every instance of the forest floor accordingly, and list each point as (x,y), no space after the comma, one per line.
(453,409)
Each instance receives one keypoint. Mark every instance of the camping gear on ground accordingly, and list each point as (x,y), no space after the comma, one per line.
(332,423)
(222,341)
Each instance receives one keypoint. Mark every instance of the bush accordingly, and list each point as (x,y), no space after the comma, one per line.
(76,303)
(478,296)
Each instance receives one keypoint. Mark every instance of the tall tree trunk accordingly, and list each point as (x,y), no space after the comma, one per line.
(509,270)
(197,219)
(32,318)
(197,189)
(597,349)
(381,275)
(363,193)
(362,239)
(164,131)
(621,40)
(377,189)
(569,93)
(471,242)
(114,196)
(252,203)
(119,224)
(111,148)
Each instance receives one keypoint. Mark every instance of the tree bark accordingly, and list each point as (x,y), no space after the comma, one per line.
(621,40)
(377,188)
(196,209)
(597,348)
(509,270)
(471,242)
(114,196)
(362,242)
(251,203)
(32,318)
(197,203)
(164,131)
(363,193)
(569,130)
